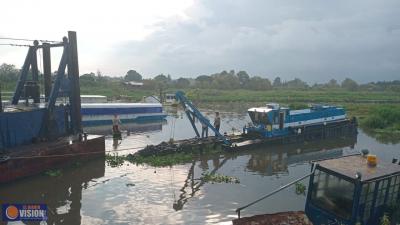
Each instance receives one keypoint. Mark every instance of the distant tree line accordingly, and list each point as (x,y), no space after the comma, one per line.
(242,80)
(223,81)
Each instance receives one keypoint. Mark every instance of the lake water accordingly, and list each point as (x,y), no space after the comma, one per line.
(95,193)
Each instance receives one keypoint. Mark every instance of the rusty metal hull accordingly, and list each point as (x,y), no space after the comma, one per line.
(283,218)
(36,158)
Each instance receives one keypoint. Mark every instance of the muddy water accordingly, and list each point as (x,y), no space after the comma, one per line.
(95,193)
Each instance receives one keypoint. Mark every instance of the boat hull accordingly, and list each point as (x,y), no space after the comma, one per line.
(33,159)
(103,114)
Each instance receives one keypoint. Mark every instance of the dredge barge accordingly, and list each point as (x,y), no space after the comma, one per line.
(273,120)
(40,135)
(264,130)
(278,125)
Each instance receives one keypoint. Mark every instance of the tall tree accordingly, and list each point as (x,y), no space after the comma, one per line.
(203,81)
(332,83)
(277,82)
(297,83)
(349,84)
(244,78)
(132,75)
(162,78)
(8,72)
(182,83)
(260,84)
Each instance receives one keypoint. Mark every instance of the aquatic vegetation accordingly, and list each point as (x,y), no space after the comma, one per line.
(169,154)
(383,117)
(385,220)
(393,213)
(383,121)
(300,189)
(161,160)
(53,173)
(218,178)
(115,160)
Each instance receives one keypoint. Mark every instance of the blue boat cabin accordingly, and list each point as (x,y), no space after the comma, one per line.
(273,120)
(348,190)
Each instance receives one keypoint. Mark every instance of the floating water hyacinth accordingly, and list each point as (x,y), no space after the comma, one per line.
(219,178)
(300,189)
(115,160)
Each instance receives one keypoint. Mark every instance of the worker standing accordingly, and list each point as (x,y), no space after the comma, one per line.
(116,123)
(217,122)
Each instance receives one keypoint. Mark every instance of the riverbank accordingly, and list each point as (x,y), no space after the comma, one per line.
(383,123)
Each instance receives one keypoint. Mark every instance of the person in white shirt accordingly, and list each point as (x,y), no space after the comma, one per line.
(116,123)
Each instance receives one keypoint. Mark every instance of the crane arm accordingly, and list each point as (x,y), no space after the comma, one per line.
(192,112)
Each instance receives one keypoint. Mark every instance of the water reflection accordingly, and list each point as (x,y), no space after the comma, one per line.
(194,184)
(275,160)
(63,194)
(132,194)
(265,161)
(384,138)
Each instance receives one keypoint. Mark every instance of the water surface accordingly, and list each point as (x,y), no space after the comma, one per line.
(95,193)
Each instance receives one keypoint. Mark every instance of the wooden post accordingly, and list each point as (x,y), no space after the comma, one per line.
(73,75)
(47,70)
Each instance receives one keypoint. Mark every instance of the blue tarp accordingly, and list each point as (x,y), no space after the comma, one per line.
(19,128)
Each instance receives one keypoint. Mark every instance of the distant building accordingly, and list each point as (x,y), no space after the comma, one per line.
(133,83)
(151,99)
(93,99)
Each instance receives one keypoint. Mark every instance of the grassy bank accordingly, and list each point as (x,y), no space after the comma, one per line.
(383,121)
(288,96)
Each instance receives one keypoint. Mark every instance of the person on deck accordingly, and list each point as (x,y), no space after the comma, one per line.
(116,123)
(204,130)
(217,122)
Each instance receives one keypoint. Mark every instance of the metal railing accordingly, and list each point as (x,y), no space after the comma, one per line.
(272,193)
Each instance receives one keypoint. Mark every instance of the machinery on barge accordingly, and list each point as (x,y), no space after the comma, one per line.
(274,120)
(274,124)
(349,190)
(40,134)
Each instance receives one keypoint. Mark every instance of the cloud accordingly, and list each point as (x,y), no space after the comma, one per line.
(99,24)
(313,40)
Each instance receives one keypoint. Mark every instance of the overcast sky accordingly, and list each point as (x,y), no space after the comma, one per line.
(314,40)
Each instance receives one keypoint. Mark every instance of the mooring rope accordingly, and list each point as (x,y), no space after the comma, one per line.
(14,45)
(72,154)
(25,39)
